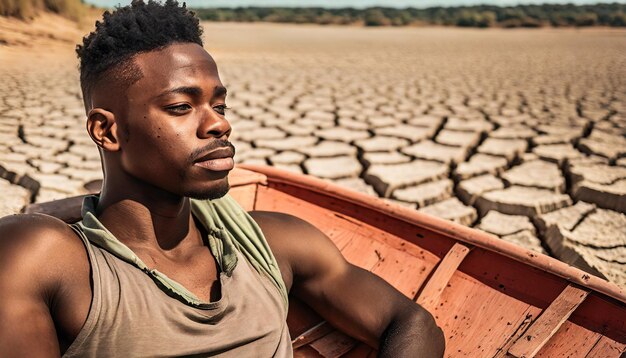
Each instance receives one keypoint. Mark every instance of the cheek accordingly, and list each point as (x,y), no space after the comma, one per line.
(151,132)
(153,148)
(171,140)
(167,145)
(160,142)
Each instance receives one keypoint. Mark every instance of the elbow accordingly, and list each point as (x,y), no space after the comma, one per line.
(439,340)
(432,333)
(414,333)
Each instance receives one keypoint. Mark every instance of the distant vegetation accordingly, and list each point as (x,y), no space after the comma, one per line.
(26,9)
(467,16)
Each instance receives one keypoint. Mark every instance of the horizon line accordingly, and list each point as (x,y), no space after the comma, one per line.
(399,4)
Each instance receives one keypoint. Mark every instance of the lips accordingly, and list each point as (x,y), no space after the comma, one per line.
(220,159)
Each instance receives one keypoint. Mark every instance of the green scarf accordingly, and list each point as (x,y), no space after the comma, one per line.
(229,228)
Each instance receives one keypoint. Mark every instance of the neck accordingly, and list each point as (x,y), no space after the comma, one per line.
(145,217)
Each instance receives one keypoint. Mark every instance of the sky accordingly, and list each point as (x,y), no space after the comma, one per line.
(353,3)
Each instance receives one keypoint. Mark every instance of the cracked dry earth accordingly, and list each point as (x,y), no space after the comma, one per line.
(520,133)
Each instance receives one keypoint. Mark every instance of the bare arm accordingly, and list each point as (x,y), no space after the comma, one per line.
(36,260)
(350,298)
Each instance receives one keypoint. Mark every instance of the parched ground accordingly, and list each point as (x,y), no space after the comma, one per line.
(521,133)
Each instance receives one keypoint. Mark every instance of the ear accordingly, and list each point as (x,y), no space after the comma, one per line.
(102,129)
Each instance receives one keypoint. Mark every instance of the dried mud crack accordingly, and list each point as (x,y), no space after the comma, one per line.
(528,145)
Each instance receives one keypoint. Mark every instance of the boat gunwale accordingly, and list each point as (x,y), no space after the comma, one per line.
(447,228)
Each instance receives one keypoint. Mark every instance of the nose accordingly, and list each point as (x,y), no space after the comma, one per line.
(214,125)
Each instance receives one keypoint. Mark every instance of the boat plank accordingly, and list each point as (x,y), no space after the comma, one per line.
(571,340)
(301,317)
(405,272)
(360,243)
(602,314)
(397,242)
(395,232)
(68,209)
(241,176)
(365,253)
(334,224)
(549,322)
(522,325)
(516,279)
(362,350)
(327,220)
(334,344)
(606,347)
(245,195)
(341,232)
(341,238)
(316,332)
(476,319)
(442,275)
(306,352)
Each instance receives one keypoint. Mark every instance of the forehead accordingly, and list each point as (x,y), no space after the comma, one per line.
(174,65)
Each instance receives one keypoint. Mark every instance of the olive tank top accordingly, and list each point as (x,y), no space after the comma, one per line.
(137,311)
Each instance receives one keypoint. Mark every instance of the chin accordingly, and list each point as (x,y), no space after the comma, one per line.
(214,192)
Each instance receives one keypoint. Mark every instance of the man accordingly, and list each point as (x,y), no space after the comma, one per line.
(150,272)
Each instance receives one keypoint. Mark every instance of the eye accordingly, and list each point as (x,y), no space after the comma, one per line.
(178,108)
(221,109)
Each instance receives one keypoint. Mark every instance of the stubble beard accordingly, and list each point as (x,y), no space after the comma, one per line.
(215,192)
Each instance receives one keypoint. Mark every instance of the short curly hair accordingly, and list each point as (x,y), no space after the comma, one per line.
(128,31)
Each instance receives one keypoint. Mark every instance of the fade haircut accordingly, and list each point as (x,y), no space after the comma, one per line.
(128,31)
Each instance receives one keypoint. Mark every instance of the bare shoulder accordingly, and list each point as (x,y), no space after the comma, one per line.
(33,231)
(33,241)
(287,232)
(299,246)
(32,223)
(283,225)
(44,285)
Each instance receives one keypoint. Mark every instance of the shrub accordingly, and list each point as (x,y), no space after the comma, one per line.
(618,19)
(375,17)
(27,9)
(474,16)
(586,19)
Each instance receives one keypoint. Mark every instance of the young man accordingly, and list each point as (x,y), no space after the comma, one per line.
(149,271)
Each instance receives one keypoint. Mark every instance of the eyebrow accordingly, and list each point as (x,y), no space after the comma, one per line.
(191,91)
(218,91)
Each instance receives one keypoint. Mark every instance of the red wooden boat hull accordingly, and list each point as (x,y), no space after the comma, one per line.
(490,297)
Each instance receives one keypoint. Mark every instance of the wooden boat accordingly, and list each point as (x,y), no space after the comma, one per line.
(491,298)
